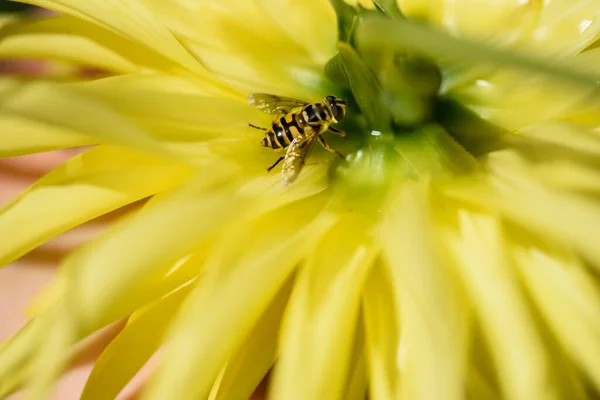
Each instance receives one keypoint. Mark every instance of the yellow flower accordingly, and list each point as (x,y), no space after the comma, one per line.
(452,254)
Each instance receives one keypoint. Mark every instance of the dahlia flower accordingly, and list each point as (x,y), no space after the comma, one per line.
(452,254)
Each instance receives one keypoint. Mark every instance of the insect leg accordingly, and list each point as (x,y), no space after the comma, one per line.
(336,131)
(276,162)
(324,143)
(257,127)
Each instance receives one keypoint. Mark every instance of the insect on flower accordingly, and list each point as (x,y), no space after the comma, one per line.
(296,125)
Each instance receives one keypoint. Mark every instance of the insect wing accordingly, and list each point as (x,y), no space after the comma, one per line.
(295,157)
(272,104)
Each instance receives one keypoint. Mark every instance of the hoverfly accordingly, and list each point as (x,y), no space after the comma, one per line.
(296,125)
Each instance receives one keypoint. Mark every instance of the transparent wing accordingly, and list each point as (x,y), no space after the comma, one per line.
(273,104)
(295,157)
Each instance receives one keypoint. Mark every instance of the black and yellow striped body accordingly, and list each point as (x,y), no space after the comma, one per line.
(311,119)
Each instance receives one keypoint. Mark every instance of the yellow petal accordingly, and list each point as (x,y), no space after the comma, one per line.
(569,300)
(56,105)
(256,355)
(502,20)
(134,345)
(564,135)
(83,188)
(21,136)
(567,27)
(319,328)
(16,353)
(489,278)
(429,10)
(356,386)
(152,81)
(381,331)
(53,39)
(431,308)
(318,43)
(266,251)
(565,217)
(52,352)
(130,19)
(105,270)
(242,54)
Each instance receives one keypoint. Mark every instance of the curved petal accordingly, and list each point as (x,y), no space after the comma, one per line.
(429,10)
(503,21)
(134,345)
(266,251)
(568,218)
(81,189)
(381,334)
(567,27)
(569,301)
(250,364)
(431,308)
(104,270)
(253,51)
(318,38)
(320,323)
(57,105)
(38,40)
(20,135)
(482,264)
(130,19)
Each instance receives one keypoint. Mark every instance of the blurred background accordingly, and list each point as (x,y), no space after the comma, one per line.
(9,6)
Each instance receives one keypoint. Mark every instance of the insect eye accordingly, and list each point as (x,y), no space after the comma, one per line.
(338,112)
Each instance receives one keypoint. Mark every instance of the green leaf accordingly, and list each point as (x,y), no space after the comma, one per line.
(365,88)
(335,71)
(389,8)
(404,35)
(347,18)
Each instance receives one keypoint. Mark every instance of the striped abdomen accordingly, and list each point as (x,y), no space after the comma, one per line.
(283,131)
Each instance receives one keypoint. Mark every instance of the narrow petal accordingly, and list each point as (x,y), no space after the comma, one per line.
(134,345)
(319,328)
(567,27)
(104,271)
(504,21)
(236,57)
(319,43)
(566,217)
(250,364)
(52,353)
(266,251)
(569,300)
(481,262)
(52,40)
(55,105)
(381,331)
(357,381)
(132,20)
(429,10)
(83,188)
(431,308)
(16,353)
(20,136)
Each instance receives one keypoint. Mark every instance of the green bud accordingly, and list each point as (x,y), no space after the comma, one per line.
(431,150)
(371,169)
(408,109)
